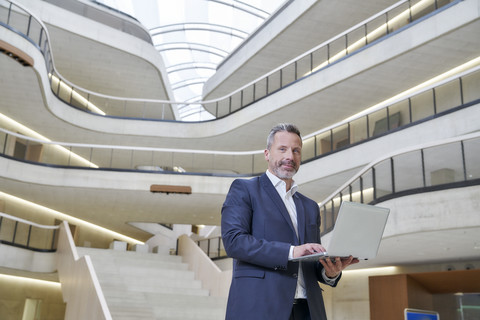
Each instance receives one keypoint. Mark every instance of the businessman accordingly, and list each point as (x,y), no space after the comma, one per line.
(265,224)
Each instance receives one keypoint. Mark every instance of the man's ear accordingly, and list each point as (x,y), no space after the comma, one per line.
(266,153)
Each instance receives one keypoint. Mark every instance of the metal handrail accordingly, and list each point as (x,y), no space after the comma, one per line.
(302,66)
(28,235)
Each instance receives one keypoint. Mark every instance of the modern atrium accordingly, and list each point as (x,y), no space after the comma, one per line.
(124,123)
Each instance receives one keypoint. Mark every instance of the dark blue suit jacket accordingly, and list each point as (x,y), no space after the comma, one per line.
(257,233)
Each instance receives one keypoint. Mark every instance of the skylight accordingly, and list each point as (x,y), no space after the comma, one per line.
(194,36)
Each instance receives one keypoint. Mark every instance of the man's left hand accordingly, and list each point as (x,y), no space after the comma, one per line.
(335,267)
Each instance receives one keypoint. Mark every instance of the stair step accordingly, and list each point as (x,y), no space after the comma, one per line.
(150,286)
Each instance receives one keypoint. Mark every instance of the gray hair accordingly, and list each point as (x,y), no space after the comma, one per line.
(288,127)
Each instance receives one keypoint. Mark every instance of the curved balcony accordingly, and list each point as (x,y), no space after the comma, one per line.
(393,19)
(437,166)
(450,95)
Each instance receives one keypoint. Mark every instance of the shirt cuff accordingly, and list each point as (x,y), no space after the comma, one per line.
(329,281)
(290,253)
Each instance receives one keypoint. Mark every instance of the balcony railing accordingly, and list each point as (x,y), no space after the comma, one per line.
(213,247)
(27,235)
(393,19)
(448,164)
(448,96)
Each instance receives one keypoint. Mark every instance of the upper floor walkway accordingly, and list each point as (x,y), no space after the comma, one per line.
(314,102)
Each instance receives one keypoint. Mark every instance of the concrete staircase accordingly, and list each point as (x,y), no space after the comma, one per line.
(151,286)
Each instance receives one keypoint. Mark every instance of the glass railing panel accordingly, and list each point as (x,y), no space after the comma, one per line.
(399,17)
(236,101)
(144,159)
(122,159)
(131,109)
(320,58)
(378,122)
(304,65)
(206,163)
(164,160)
(222,108)
(51,155)
(151,110)
(289,74)
(243,164)
(337,49)
(407,169)
(422,105)
(3,142)
(78,156)
(260,88)
(327,216)
(35,32)
(420,8)
(470,86)
(274,82)
(358,130)
(41,238)
(183,161)
(324,142)
(356,39)
(447,96)
(356,189)
(399,114)
(26,235)
(7,229)
(471,153)
(17,19)
(308,148)
(258,163)
(103,157)
(21,234)
(367,186)
(443,164)
(376,28)
(4,11)
(247,95)
(383,179)
(340,136)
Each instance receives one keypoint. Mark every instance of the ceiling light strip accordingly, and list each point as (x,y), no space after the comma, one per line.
(70,219)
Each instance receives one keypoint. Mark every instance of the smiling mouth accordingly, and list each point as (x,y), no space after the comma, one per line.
(287,165)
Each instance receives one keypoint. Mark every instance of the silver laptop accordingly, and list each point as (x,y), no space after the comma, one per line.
(357,232)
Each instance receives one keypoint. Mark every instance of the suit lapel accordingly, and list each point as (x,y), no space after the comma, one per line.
(277,200)
(300,218)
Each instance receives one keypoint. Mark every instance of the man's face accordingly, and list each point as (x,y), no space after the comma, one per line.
(285,155)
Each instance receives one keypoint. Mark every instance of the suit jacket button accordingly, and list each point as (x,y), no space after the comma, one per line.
(295,275)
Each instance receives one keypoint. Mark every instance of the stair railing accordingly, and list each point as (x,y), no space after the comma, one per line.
(80,286)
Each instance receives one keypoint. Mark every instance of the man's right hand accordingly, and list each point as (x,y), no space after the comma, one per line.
(306,249)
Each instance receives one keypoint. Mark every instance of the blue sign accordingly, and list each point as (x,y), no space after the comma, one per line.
(412,314)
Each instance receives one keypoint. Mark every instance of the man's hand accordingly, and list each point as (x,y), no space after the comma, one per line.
(335,267)
(306,249)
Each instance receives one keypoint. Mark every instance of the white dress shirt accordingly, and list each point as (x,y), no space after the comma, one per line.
(287,197)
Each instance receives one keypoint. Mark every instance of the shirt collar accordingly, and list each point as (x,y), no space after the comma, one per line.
(279,184)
